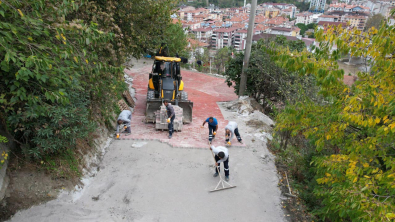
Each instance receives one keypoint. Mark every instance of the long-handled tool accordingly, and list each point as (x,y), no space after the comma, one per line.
(221,181)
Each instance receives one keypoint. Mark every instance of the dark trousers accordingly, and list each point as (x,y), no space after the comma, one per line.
(237,135)
(211,129)
(226,165)
(170,126)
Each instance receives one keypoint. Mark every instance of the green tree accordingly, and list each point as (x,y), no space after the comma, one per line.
(52,55)
(352,128)
(221,58)
(267,82)
(374,21)
(303,28)
(175,39)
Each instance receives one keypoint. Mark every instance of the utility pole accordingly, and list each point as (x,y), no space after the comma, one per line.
(247,53)
(207,3)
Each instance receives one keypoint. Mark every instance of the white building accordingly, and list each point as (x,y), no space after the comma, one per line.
(304,18)
(317,6)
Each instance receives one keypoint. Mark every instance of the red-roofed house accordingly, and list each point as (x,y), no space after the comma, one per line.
(325,25)
(294,31)
(277,21)
(197,46)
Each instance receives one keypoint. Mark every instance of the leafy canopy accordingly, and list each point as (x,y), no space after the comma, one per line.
(357,123)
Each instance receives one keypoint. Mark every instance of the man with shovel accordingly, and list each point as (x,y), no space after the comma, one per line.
(221,155)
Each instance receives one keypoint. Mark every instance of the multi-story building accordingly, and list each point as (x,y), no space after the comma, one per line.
(223,37)
(317,6)
(355,21)
(240,36)
(291,12)
(203,34)
(304,18)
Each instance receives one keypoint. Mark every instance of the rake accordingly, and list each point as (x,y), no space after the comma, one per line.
(221,181)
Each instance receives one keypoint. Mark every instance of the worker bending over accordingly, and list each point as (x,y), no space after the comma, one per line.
(221,155)
(124,118)
(231,130)
(170,117)
(212,128)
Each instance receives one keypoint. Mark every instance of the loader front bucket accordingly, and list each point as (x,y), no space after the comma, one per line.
(187,107)
(152,107)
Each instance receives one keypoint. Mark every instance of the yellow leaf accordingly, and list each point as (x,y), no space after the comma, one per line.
(377,120)
(355,179)
(375,103)
(86,61)
(30,38)
(367,176)
(20,12)
(50,66)
(327,174)
(392,125)
(385,117)
(328,137)
(63,36)
(75,59)
(365,165)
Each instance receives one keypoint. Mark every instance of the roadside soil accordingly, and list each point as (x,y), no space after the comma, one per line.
(33,183)
(29,186)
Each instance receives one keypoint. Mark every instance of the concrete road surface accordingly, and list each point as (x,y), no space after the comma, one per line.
(145,181)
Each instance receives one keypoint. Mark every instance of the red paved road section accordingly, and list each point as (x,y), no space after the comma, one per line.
(205,91)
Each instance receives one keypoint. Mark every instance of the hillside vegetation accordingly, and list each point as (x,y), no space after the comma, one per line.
(61,65)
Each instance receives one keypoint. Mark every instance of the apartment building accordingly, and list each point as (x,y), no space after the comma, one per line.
(317,6)
(304,18)
(223,37)
(203,34)
(355,21)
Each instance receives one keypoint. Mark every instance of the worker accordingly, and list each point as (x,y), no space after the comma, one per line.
(221,155)
(231,130)
(212,128)
(124,118)
(170,117)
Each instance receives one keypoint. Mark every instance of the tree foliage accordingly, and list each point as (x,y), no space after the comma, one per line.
(61,64)
(352,128)
(267,82)
(374,21)
(221,57)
